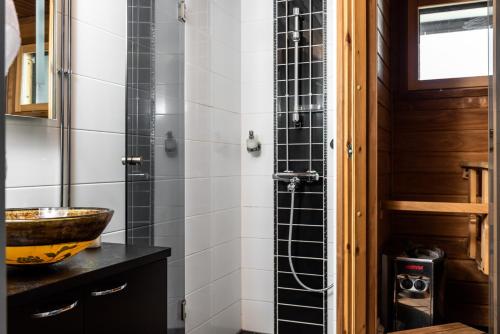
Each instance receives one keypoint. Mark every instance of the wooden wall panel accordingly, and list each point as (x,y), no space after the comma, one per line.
(433,131)
(384,111)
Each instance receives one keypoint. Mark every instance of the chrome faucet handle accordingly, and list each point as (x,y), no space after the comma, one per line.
(294,182)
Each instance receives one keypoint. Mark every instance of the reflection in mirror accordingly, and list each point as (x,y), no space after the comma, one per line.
(30,78)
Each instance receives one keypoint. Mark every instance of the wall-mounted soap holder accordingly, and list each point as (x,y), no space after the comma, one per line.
(253,145)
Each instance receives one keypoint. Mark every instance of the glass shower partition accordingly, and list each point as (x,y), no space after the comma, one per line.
(155,145)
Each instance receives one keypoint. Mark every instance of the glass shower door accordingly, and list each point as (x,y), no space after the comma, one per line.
(154,145)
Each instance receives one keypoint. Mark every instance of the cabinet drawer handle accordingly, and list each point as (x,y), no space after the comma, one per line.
(55,312)
(108,292)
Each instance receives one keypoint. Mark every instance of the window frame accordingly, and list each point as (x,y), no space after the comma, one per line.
(414,83)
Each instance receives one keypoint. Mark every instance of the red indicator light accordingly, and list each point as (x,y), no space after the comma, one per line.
(414,267)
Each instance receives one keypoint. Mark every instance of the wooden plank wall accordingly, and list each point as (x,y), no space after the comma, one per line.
(433,131)
(384,114)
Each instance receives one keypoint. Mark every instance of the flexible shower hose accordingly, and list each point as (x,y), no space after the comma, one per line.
(290,262)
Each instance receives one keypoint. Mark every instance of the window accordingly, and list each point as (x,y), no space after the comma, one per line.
(448,44)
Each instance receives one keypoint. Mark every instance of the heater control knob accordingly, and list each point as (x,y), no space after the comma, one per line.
(420,285)
(406,284)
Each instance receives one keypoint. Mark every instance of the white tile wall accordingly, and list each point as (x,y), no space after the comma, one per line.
(213,167)
(33,156)
(332,162)
(257,186)
(98,109)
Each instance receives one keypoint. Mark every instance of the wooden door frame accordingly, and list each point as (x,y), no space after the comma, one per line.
(352,90)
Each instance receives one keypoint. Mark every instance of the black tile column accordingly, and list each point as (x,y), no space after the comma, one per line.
(296,309)
(140,120)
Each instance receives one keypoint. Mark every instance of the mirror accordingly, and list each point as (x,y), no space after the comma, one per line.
(30,81)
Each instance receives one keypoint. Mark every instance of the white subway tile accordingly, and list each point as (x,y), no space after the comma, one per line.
(226,226)
(198,159)
(257,98)
(257,222)
(169,98)
(225,61)
(97,105)
(226,291)
(257,67)
(168,36)
(28,146)
(226,193)
(114,237)
(169,69)
(257,285)
(98,54)
(198,199)
(257,191)
(226,93)
(262,124)
(198,122)
(198,271)
(198,85)
(225,160)
(228,321)
(198,308)
(105,195)
(169,199)
(226,126)
(258,163)
(226,258)
(256,10)
(29,197)
(257,254)
(257,36)
(98,157)
(224,28)
(257,316)
(111,16)
(198,228)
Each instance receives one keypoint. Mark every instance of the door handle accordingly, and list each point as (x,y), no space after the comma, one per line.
(53,313)
(108,292)
(132,161)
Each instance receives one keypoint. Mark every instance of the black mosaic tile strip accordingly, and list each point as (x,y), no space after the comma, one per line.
(301,249)
(299,328)
(298,310)
(288,281)
(305,314)
(140,120)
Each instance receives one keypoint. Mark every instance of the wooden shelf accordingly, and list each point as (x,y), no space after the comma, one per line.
(439,207)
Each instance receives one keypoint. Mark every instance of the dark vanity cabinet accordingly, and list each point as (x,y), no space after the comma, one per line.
(110,290)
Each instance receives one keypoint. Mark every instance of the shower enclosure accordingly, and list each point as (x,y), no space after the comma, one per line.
(154,143)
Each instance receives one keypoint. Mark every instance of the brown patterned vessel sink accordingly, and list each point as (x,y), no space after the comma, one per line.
(50,235)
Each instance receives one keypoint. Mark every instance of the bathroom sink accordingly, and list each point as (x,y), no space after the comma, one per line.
(48,235)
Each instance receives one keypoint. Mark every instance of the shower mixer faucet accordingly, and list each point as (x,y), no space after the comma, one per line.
(289,177)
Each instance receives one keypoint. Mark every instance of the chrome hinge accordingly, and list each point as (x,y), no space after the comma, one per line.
(183,310)
(349,150)
(181,11)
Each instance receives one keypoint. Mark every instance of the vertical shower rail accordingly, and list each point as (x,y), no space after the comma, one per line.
(296,40)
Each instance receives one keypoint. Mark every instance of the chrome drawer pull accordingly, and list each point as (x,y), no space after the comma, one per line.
(55,312)
(108,292)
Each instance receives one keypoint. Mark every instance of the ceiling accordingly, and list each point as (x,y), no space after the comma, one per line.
(26,8)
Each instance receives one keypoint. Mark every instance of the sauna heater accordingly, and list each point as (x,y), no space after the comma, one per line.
(414,282)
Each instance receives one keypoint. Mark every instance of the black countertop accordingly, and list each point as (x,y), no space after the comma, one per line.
(26,283)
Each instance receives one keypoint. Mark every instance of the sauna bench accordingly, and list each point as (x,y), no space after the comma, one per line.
(456,328)
(437,207)
(112,289)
